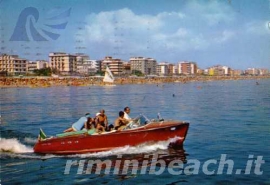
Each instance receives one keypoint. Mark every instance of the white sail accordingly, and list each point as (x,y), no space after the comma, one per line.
(108,76)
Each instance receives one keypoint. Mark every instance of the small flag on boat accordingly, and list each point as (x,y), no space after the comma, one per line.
(41,135)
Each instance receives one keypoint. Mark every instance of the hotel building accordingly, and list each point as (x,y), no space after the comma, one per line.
(13,65)
(85,65)
(172,69)
(40,64)
(187,68)
(163,69)
(263,71)
(226,70)
(116,65)
(126,68)
(236,72)
(63,62)
(146,66)
(219,70)
(31,66)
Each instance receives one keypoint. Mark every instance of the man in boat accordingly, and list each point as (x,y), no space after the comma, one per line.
(120,123)
(132,122)
(78,125)
(102,121)
(126,114)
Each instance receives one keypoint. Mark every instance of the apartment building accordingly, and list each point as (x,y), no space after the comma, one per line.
(216,71)
(147,66)
(163,69)
(187,68)
(87,67)
(13,65)
(116,65)
(226,70)
(252,71)
(172,69)
(63,62)
(31,66)
(126,68)
(263,71)
(39,64)
(236,72)
(42,64)
(219,70)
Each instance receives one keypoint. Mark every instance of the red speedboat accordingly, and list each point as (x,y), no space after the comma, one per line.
(153,131)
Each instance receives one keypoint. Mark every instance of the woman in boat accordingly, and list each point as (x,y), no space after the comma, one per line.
(89,126)
(120,123)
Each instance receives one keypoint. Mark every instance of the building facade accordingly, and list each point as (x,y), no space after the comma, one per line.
(236,72)
(216,71)
(200,71)
(219,70)
(187,68)
(13,65)
(84,65)
(252,71)
(263,71)
(226,70)
(63,62)
(146,66)
(42,64)
(116,65)
(87,67)
(162,69)
(126,68)
(31,66)
(172,69)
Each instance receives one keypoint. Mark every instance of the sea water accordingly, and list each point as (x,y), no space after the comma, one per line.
(229,128)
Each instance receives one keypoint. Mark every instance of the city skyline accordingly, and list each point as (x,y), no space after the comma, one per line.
(232,33)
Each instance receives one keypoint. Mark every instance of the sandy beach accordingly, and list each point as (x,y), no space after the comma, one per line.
(33,82)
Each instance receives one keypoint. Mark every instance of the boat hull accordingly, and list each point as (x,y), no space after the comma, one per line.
(103,142)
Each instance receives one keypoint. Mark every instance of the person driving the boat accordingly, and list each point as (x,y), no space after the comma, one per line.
(120,123)
(126,114)
(132,122)
(102,120)
(78,125)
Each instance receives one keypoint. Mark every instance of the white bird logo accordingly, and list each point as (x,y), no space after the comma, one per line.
(26,32)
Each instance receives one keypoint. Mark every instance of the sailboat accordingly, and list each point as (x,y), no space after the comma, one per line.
(108,78)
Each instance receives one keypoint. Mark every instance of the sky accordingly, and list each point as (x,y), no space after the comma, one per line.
(234,33)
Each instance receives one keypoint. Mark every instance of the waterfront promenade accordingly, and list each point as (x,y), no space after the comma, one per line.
(33,82)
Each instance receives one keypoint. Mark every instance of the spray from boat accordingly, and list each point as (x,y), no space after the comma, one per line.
(15,149)
(13,145)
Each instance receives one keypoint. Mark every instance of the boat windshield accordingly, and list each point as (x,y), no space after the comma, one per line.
(139,121)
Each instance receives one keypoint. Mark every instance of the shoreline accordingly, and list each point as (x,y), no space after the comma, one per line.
(45,82)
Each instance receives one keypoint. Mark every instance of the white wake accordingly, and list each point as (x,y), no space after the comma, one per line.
(13,146)
(143,148)
(16,149)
